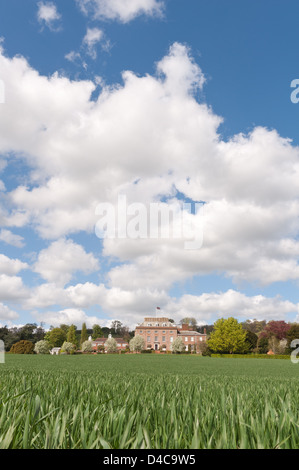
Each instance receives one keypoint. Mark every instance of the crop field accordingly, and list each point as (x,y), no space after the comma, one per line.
(148,402)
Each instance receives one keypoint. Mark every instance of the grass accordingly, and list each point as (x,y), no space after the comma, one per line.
(148,401)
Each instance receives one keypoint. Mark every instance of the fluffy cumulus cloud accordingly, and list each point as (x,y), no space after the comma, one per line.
(48,15)
(121,10)
(57,263)
(7,315)
(68,317)
(11,238)
(149,138)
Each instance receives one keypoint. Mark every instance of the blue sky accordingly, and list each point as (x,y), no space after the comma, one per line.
(204,114)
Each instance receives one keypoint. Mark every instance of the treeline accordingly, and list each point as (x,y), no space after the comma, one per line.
(56,336)
(228,336)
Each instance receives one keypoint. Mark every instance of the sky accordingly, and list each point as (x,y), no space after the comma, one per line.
(111,110)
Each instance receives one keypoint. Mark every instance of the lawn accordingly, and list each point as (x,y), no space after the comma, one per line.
(148,401)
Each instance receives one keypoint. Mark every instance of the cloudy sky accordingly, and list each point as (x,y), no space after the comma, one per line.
(159,103)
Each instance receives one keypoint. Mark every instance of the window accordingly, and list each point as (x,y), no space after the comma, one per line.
(157,324)
(171,332)
(156,338)
(192,338)
(140,331)
(171,339)
(148,339)
(186,338)
(148,332)
(163,332)
(163,339)
(200,338)
(149,324)
(156,332)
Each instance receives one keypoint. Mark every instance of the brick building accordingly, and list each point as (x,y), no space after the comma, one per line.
(159,333)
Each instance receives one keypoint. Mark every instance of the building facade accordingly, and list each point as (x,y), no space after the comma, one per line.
(159,334)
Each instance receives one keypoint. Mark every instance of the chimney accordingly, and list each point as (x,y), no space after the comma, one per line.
(185,326)
(204,331)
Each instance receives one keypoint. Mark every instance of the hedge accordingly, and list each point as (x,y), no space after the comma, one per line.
(252,356)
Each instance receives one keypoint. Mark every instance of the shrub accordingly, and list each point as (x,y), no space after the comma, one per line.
(42,347)
(67,347)
(87,346)
(22,347)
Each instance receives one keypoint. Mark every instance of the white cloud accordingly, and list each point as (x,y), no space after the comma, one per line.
(11,266)
(93,37)
(62,259)
(145,138)
(121,10)
(230,304)
(6,314)
(12,288)
(48,15)
(11,238)
(68,316)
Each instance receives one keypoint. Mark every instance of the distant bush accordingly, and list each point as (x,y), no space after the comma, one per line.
(42,347)
(22,347)
(146,351)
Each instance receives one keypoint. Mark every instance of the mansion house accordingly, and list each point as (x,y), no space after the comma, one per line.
(159,333)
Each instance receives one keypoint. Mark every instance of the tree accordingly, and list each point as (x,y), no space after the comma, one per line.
(228,336)
(293,333)
(97,332)
(111,345)
(56,337)
(278,329)
(87,346)
(42,347)
(189,321)
(263,344)
(177,346)
(254,326)
(71,335)
(251,339)
(84,335)
(137,344)
(116,325)
(22,347)
(67,347)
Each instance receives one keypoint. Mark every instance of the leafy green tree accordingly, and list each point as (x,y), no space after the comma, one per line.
(71,336)
(228,336)
(263,344)
(84,334)
(251,339)
(56,337)
(97,332)
(137,344)
(42,347)
(293,333)
(111,345)
(177,346)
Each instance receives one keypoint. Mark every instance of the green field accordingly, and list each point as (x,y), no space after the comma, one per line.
(148,401)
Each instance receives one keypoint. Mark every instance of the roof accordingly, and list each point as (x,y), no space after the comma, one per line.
(190,333)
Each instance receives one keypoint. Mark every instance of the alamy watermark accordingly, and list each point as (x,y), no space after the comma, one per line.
(156,220)
(2,352)
(295,92)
